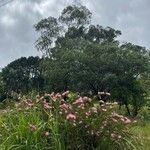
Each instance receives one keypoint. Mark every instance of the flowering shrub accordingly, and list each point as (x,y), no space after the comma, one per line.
(60,124)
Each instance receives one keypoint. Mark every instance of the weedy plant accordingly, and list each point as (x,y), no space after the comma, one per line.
(54,122)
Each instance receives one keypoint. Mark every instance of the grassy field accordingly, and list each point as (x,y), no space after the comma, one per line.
(33,126)
(143,134)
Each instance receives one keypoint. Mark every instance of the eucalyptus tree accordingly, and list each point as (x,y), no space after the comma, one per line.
(83,57)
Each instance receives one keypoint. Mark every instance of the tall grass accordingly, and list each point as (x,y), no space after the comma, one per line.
(50,123)
(143,135)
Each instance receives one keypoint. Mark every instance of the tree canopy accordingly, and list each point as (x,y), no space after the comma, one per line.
(23,75)
(84,57)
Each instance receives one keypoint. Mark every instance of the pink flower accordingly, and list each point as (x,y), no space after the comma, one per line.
(114,120)
(119,136)
(58,95)
(81,106)
(107,103)
(32,127)
(30,104)
(47,133)
(94,109)
(46,105)
(65,93)
(107,93)
(126,120)
(38,96)
(104,109)
(52,94)
(101,93)
(88,114)
(80,122)
(60,113)
(116,115)
(113,135)
(115,103)
(92,132)
(71,117)
(86,99)
(64,106)
(104,93)
(74,124)
(102,102)
(78,101)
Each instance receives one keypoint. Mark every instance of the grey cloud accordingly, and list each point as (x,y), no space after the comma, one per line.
(17,20)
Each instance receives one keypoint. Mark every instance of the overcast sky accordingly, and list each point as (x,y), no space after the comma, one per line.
(17,35)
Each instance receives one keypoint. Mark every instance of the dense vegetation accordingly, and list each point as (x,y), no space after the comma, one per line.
(86,59)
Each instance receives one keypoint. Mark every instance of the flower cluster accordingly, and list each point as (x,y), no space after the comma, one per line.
(116,117)
(79,116)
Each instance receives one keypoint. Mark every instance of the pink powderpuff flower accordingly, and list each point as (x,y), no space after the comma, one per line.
(81,106)
(30,104)
(116,115)
(101,101)
(101,93)
(47,133)
(42,98)
(119,136)
(108,103)
(71,117)
(107,93)
(60,112)
(92,132)
(88,114)
(74,124)
(62,101)
(85,99)
(64,106)
(80,122)
(113,135)
(52,94)
(104,93)
(127,120)
(65,93)
(37,96)
(114,120)
(58,95)
(47,106)
(94,109)
(32,127)
(104,109)
(78,101)
(115,103)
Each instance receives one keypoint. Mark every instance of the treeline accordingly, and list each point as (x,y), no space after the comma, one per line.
(82,57)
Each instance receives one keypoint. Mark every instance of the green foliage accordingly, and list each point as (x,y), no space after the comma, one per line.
(143,135)
(23,75)
(2,89)
(83,57)
(143,115)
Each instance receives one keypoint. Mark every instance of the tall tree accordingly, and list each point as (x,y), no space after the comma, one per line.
(85,57)
(23,75)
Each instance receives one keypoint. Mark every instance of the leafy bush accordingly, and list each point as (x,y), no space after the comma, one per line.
(143,115)
(50,122)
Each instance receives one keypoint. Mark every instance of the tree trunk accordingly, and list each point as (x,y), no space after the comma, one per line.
(128,110)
